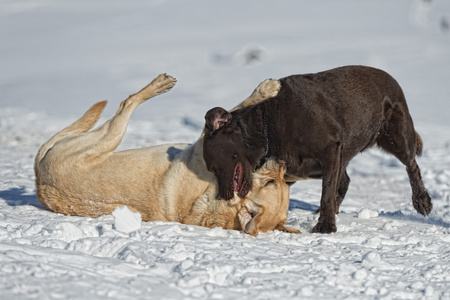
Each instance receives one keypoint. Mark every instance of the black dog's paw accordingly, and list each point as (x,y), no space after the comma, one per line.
(326,227)
(422,203)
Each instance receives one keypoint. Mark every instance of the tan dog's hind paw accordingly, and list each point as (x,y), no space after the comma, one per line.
(163,83)
(158,86)
(269,88)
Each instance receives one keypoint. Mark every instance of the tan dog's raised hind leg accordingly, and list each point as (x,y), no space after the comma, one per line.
(107,137)
(267,89)
(82,125)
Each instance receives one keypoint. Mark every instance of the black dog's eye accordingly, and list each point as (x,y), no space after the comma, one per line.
(234,155)
(272,181)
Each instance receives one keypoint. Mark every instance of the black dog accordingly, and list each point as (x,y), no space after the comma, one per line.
(316,124)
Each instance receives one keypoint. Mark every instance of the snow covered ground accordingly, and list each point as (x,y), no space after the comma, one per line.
(59,57)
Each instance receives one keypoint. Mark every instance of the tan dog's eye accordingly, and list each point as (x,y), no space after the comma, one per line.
(272,181)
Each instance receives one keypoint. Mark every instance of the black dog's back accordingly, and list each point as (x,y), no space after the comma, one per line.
(349,103)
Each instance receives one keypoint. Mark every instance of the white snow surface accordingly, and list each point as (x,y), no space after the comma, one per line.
(59,57)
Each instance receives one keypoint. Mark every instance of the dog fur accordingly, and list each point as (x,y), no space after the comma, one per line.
(317,123)
(78,173)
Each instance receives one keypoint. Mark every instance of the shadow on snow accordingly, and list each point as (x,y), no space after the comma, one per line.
(19,196)
(432,220)
(297,204)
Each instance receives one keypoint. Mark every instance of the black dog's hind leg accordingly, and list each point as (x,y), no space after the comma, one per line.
(420,198)
(398,137)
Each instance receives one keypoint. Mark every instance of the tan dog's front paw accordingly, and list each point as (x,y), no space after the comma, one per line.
(269,88)
(244,217)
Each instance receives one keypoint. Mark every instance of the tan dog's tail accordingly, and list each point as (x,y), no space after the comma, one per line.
(82,125)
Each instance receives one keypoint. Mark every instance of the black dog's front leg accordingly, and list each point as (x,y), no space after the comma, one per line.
(327,219)
(332,172)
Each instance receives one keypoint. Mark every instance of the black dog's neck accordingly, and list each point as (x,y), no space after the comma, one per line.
(253,122)
(266,133)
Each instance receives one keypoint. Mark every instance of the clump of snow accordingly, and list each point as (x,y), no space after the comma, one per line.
(366,213)
(125,220)
(371,259)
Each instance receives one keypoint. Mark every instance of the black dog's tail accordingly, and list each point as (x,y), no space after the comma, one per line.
(419,145)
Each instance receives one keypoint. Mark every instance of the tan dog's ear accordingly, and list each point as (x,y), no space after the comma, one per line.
(250,216)
(282,227)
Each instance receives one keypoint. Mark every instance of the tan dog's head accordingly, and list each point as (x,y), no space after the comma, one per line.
(266,205)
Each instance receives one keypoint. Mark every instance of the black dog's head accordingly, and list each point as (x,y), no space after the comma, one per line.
(227,153)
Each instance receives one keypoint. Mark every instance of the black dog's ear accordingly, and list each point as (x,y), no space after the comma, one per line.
(216,118)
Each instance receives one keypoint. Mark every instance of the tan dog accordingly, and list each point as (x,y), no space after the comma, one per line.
(78,173)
